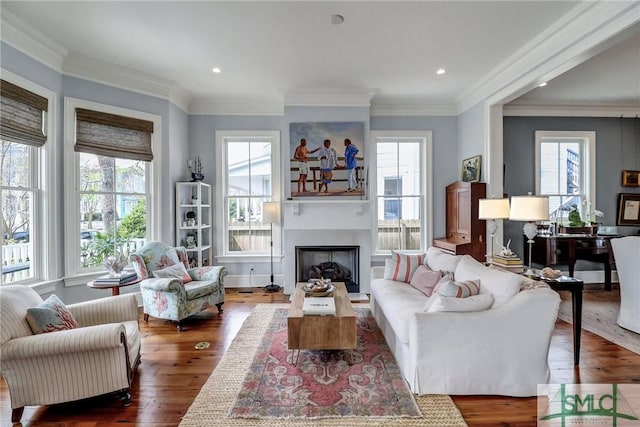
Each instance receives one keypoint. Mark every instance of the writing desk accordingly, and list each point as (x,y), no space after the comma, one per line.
(566,249)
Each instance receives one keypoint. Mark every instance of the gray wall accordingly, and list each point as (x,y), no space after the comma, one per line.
(617,148)
(471,136)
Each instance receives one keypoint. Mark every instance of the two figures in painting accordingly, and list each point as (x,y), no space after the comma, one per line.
(320,171)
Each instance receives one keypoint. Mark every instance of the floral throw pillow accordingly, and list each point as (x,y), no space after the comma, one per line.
(201,273)
(176,271)
(49,316)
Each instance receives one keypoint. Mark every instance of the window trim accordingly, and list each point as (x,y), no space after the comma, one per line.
(587,167)
(44,246)
(221,180)
(74,276)
(426,183)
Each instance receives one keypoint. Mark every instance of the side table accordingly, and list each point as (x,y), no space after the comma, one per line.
(115,287)
(575,286)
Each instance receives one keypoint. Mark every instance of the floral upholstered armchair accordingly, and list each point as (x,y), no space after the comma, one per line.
(172,291)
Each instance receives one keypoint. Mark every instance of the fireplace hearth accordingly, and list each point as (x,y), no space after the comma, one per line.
(338,263)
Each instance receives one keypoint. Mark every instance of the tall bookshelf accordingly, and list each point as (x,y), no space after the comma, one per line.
(193,221)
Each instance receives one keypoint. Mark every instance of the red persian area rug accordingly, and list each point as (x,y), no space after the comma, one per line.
(323,384)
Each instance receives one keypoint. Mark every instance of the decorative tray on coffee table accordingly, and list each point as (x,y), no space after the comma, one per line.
(313,289)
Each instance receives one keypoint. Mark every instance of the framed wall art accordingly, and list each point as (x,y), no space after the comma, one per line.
(631,178)
(471,169)
(327,159)
(628,209)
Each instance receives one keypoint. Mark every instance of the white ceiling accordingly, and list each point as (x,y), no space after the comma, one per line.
(610,78)
(269,50)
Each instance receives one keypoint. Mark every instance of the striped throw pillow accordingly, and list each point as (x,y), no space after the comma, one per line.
(451,288)
(403,265)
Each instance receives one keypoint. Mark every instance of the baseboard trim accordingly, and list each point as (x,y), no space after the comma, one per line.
(253,281)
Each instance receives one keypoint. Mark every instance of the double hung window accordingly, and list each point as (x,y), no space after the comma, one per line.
(111,164)
(401,190)
(565,171)
(23,129)
(247,167)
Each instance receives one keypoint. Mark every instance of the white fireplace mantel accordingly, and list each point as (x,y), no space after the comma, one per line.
(327,214)
(327,222)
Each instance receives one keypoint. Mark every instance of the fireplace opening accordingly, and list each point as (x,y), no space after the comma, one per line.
(338,263)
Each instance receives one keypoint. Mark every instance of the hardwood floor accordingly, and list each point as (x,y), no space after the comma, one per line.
(172,372)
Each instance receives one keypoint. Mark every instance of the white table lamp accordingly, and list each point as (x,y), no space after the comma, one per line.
(271,214)
(530,209)
(491,210)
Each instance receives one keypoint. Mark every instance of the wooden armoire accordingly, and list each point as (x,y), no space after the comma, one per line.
(466,234)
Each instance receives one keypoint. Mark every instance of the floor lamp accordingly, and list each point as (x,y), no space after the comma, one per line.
(271,214)
(491,210)
(530,209)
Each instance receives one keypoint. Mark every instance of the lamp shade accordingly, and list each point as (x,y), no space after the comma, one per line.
(271,212)
(529,208)
(493,209)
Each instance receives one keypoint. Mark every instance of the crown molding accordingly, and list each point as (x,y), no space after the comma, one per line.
(328,99)
(237,106)
(181,98)
(24,37)
(93,69)
(570,110)
(574,38)
(410,107)
(28,40)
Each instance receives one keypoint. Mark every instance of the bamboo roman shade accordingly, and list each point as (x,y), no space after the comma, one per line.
(22,115)
(112,135)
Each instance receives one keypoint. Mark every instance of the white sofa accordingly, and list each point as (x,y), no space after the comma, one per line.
(498,351)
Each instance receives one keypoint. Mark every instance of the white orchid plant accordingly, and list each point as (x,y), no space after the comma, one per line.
(596,214)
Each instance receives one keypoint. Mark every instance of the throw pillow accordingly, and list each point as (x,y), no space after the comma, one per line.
(503,285)
(49,316)
(176,271)
(438,260)
(473,303)
(202,273)
(405,265)
(463,289)
(425,280)
(389,268)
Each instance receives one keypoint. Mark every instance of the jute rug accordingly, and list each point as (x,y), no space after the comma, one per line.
(599,316)
(212,405)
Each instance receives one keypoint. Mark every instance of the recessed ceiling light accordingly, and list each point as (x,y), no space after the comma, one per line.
(441,71)
(337,19)
(542,84)
(216,70)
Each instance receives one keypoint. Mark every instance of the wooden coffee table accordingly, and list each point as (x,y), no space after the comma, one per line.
(322,332)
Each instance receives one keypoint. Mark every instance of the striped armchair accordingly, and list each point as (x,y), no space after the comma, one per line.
(98,357)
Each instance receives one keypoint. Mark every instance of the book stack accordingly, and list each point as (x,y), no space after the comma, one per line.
(508,263)
(319,306)
(118,279)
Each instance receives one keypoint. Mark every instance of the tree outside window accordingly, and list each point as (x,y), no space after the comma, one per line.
(113,201)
